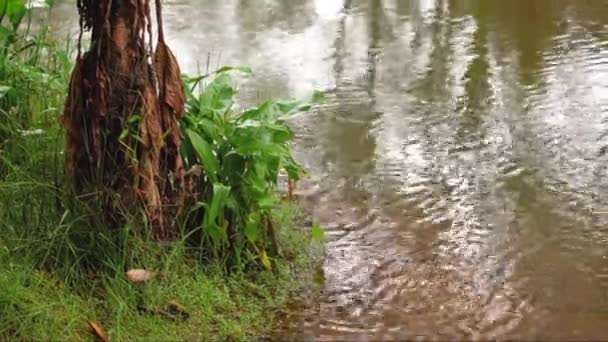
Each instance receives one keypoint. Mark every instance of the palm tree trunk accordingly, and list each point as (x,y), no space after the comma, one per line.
(122,114)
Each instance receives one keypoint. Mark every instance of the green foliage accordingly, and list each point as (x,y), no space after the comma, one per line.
(14,10)
(33,76)
(59,266)
(242,154)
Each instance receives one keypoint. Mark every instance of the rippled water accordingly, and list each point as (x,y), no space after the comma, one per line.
(459,164)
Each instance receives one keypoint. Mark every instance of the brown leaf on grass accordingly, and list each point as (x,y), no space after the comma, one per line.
(99,333)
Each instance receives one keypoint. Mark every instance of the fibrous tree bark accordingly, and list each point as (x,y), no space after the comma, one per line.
(122,116)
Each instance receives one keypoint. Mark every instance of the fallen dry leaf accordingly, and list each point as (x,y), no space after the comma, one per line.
(99,333)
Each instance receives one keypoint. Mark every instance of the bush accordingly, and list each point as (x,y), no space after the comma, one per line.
(242,153)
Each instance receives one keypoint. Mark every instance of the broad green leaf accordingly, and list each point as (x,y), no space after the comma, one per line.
(193,107)
(219,94)
(252,228)
(257,185)
(233,166)
(235,203)
(15,10)
(267,202)
(281,133)
(215,211)
(318,233)
(243,69)
(188,154)
(260,168)
(205,153)
(251,124)
(264,112)
(274,166)
(209,128)
(250,140)
(220,197)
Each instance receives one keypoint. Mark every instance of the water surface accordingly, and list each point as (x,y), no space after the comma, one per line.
(459,163)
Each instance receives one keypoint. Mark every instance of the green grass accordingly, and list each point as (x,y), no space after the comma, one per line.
(41,305)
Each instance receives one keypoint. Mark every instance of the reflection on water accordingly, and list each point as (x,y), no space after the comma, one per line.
(459,162)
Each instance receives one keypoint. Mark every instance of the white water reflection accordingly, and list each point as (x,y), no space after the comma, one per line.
(329,9)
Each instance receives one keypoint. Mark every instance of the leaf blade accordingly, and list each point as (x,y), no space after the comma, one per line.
(205,153)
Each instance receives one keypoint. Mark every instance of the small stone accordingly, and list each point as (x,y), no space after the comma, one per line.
(137,276)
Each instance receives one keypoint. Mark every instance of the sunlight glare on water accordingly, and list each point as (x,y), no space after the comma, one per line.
(329,9)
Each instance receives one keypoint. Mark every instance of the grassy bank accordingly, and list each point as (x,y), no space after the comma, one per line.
(38,304)
(60,267)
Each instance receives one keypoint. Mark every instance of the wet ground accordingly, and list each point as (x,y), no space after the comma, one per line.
(459,162)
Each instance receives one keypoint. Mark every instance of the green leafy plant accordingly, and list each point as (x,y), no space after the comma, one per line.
(242,154)
(32,74)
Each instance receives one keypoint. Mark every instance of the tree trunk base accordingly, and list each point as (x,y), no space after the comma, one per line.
(122,116)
